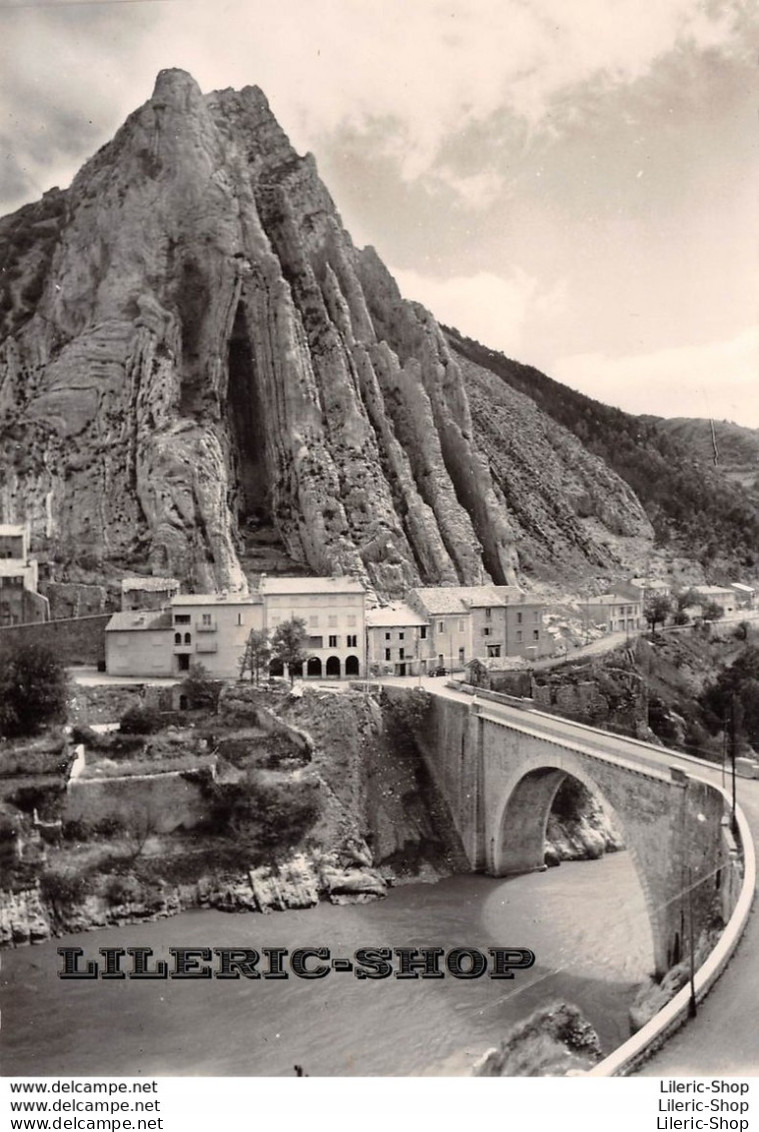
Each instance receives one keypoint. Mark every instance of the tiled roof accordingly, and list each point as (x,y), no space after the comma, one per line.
(138,621)
(704,591)
(216,599)
(340,585)
(399,614)
(611,599)
(148,585)
(460,599)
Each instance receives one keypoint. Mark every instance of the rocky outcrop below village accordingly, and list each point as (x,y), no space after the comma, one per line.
(29,916)
(279,801)
(192,352)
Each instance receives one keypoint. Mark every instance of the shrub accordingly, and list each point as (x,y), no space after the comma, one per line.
(63,888)
(201,690)
(140,719)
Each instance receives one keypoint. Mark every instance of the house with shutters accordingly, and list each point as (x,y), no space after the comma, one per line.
(398,641)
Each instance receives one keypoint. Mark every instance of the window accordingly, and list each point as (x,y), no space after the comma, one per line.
(177,638)
(388,636)
(488,614)
(387,654)
(401,654)
(461,626)
(316,642)
(239,618)
(181,619)
(519,618)
(351,619)
(333,642)
(486,631)
(536,615)
(332,621)
(188,638)
(422,632)
(206,618)
(494,650)
(519,634)
(441,626)
(313,620)
(351,641)
(400,636)
(536,634)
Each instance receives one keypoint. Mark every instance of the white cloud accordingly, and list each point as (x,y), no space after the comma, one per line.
(719,379)
(484,306)
(429,70)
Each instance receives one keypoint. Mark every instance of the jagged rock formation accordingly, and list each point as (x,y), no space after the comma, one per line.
(191,347)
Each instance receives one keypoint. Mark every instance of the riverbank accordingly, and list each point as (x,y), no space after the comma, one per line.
(585,921)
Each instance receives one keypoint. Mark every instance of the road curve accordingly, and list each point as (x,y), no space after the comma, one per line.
(724,1037)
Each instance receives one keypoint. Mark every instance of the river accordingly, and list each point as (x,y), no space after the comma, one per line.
(585,921)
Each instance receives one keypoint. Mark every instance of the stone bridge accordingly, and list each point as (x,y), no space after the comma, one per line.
(498,769)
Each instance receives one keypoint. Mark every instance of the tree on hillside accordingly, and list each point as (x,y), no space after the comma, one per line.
(255,658)
(686,599)
(33,689)
(735,693)
(201,689)
(656,611)
(288,643)
(712,611)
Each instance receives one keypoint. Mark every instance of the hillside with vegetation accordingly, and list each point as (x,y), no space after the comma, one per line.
(697,510)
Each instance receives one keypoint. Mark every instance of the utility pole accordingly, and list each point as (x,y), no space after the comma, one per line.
(733,745)
(692,1009)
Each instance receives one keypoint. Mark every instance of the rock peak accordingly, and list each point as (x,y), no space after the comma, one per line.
(174,81)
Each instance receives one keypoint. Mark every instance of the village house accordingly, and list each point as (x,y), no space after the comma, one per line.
(617,613)
(334,610)
(745,596)
(213,629)
(210,629)
(450,624)
(138,643)
(724,596)
(644,589)
(397,641)
(147,593)
(19,601)
(525,632)
(480,622)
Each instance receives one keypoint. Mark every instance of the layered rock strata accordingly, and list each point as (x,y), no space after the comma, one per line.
(191,347)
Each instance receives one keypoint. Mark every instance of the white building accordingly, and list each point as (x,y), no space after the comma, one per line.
(334,612)
(398,641)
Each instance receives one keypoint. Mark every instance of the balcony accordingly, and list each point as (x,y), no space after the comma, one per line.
(206,627)
(206,646)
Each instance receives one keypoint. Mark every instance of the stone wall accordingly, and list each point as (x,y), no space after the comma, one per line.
(156,803)
(75,640)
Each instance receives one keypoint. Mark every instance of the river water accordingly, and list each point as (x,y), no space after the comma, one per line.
(585,921)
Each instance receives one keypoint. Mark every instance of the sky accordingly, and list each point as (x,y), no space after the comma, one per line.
(574,184)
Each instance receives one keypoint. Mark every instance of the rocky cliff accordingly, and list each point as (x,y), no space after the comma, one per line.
(192,351)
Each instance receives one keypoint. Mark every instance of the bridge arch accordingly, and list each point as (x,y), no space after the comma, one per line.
(519,808)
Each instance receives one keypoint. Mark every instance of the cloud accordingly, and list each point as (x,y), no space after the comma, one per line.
(718,379)
(434,71)
(488,307)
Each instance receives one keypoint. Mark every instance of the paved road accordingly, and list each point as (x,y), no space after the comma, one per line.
(724,1038)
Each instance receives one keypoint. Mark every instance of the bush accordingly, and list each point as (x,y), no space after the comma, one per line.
(200,689)
(140,719)
(33,689)
(63,889)
(265,812)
